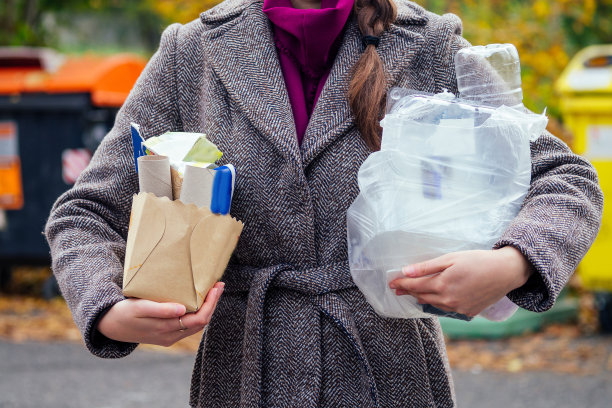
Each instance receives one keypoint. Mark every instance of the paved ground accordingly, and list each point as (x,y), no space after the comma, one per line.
(533,390)
(64,375)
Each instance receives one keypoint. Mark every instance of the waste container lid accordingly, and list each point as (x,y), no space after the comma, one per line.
(589,71)
(108,79)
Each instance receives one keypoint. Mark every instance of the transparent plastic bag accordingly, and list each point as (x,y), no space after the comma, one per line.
(450,176)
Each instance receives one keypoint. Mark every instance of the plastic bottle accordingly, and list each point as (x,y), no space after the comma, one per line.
(490,75)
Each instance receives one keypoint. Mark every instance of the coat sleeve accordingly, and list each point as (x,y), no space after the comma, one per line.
(561,214)
(87,227)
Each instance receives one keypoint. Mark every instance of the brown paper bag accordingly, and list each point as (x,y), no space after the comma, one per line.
(176,252)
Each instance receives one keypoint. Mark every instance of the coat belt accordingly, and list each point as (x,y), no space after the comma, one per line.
(320,285)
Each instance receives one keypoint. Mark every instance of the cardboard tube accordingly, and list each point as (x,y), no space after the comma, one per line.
(154,176)
(177,183)
(197,186)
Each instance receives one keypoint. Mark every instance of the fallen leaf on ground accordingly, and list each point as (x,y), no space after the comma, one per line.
(558,348)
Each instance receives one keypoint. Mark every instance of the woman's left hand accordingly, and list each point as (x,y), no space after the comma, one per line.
(465,282)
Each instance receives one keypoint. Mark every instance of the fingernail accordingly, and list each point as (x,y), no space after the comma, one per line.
(222,284)
(400,292)
(392,285)
(180,310)
(409,270)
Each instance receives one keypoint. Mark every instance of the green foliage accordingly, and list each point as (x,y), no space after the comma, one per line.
(591,29)
(181,11)
(546,34)
(22,21)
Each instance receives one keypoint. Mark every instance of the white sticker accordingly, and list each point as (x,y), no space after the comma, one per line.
(599,142)
(8,140)
(590,79)
(74,161)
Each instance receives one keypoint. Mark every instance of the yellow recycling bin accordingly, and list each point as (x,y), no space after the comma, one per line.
(586,104)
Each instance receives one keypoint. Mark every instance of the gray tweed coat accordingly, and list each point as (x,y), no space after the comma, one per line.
(291,329)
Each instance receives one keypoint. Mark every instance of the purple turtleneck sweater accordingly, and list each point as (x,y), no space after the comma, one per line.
(307,42)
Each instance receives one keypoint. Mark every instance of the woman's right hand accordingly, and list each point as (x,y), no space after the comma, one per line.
(145,321)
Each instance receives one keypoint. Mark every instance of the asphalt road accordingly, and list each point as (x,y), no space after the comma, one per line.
(61,375)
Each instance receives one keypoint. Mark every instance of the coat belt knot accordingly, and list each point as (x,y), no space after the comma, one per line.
(319,285)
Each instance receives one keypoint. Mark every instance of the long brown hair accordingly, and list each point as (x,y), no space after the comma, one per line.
(367,88)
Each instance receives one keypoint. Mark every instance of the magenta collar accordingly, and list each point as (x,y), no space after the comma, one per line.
(308,41)
(309,35)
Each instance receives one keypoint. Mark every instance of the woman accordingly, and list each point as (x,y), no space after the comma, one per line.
(296,111)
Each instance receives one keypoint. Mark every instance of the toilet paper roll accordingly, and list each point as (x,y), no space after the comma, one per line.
(154,176)
(197,186)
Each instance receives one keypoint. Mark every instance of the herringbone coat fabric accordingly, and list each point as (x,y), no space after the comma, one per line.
(291,329)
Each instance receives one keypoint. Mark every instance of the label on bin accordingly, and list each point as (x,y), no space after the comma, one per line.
(74,161)
(599,142)
(591,79)
(11,189)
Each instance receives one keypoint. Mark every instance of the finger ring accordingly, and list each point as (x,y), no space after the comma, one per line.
(183,328)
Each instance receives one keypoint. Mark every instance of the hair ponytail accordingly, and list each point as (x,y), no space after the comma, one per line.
(367,88)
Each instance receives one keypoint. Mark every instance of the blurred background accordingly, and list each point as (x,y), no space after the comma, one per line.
(547,34)
(66,66)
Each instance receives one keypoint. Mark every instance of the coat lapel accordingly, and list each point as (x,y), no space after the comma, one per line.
(244,57)
(332,116)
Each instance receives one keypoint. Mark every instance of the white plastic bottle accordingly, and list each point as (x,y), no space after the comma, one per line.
(490,75)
